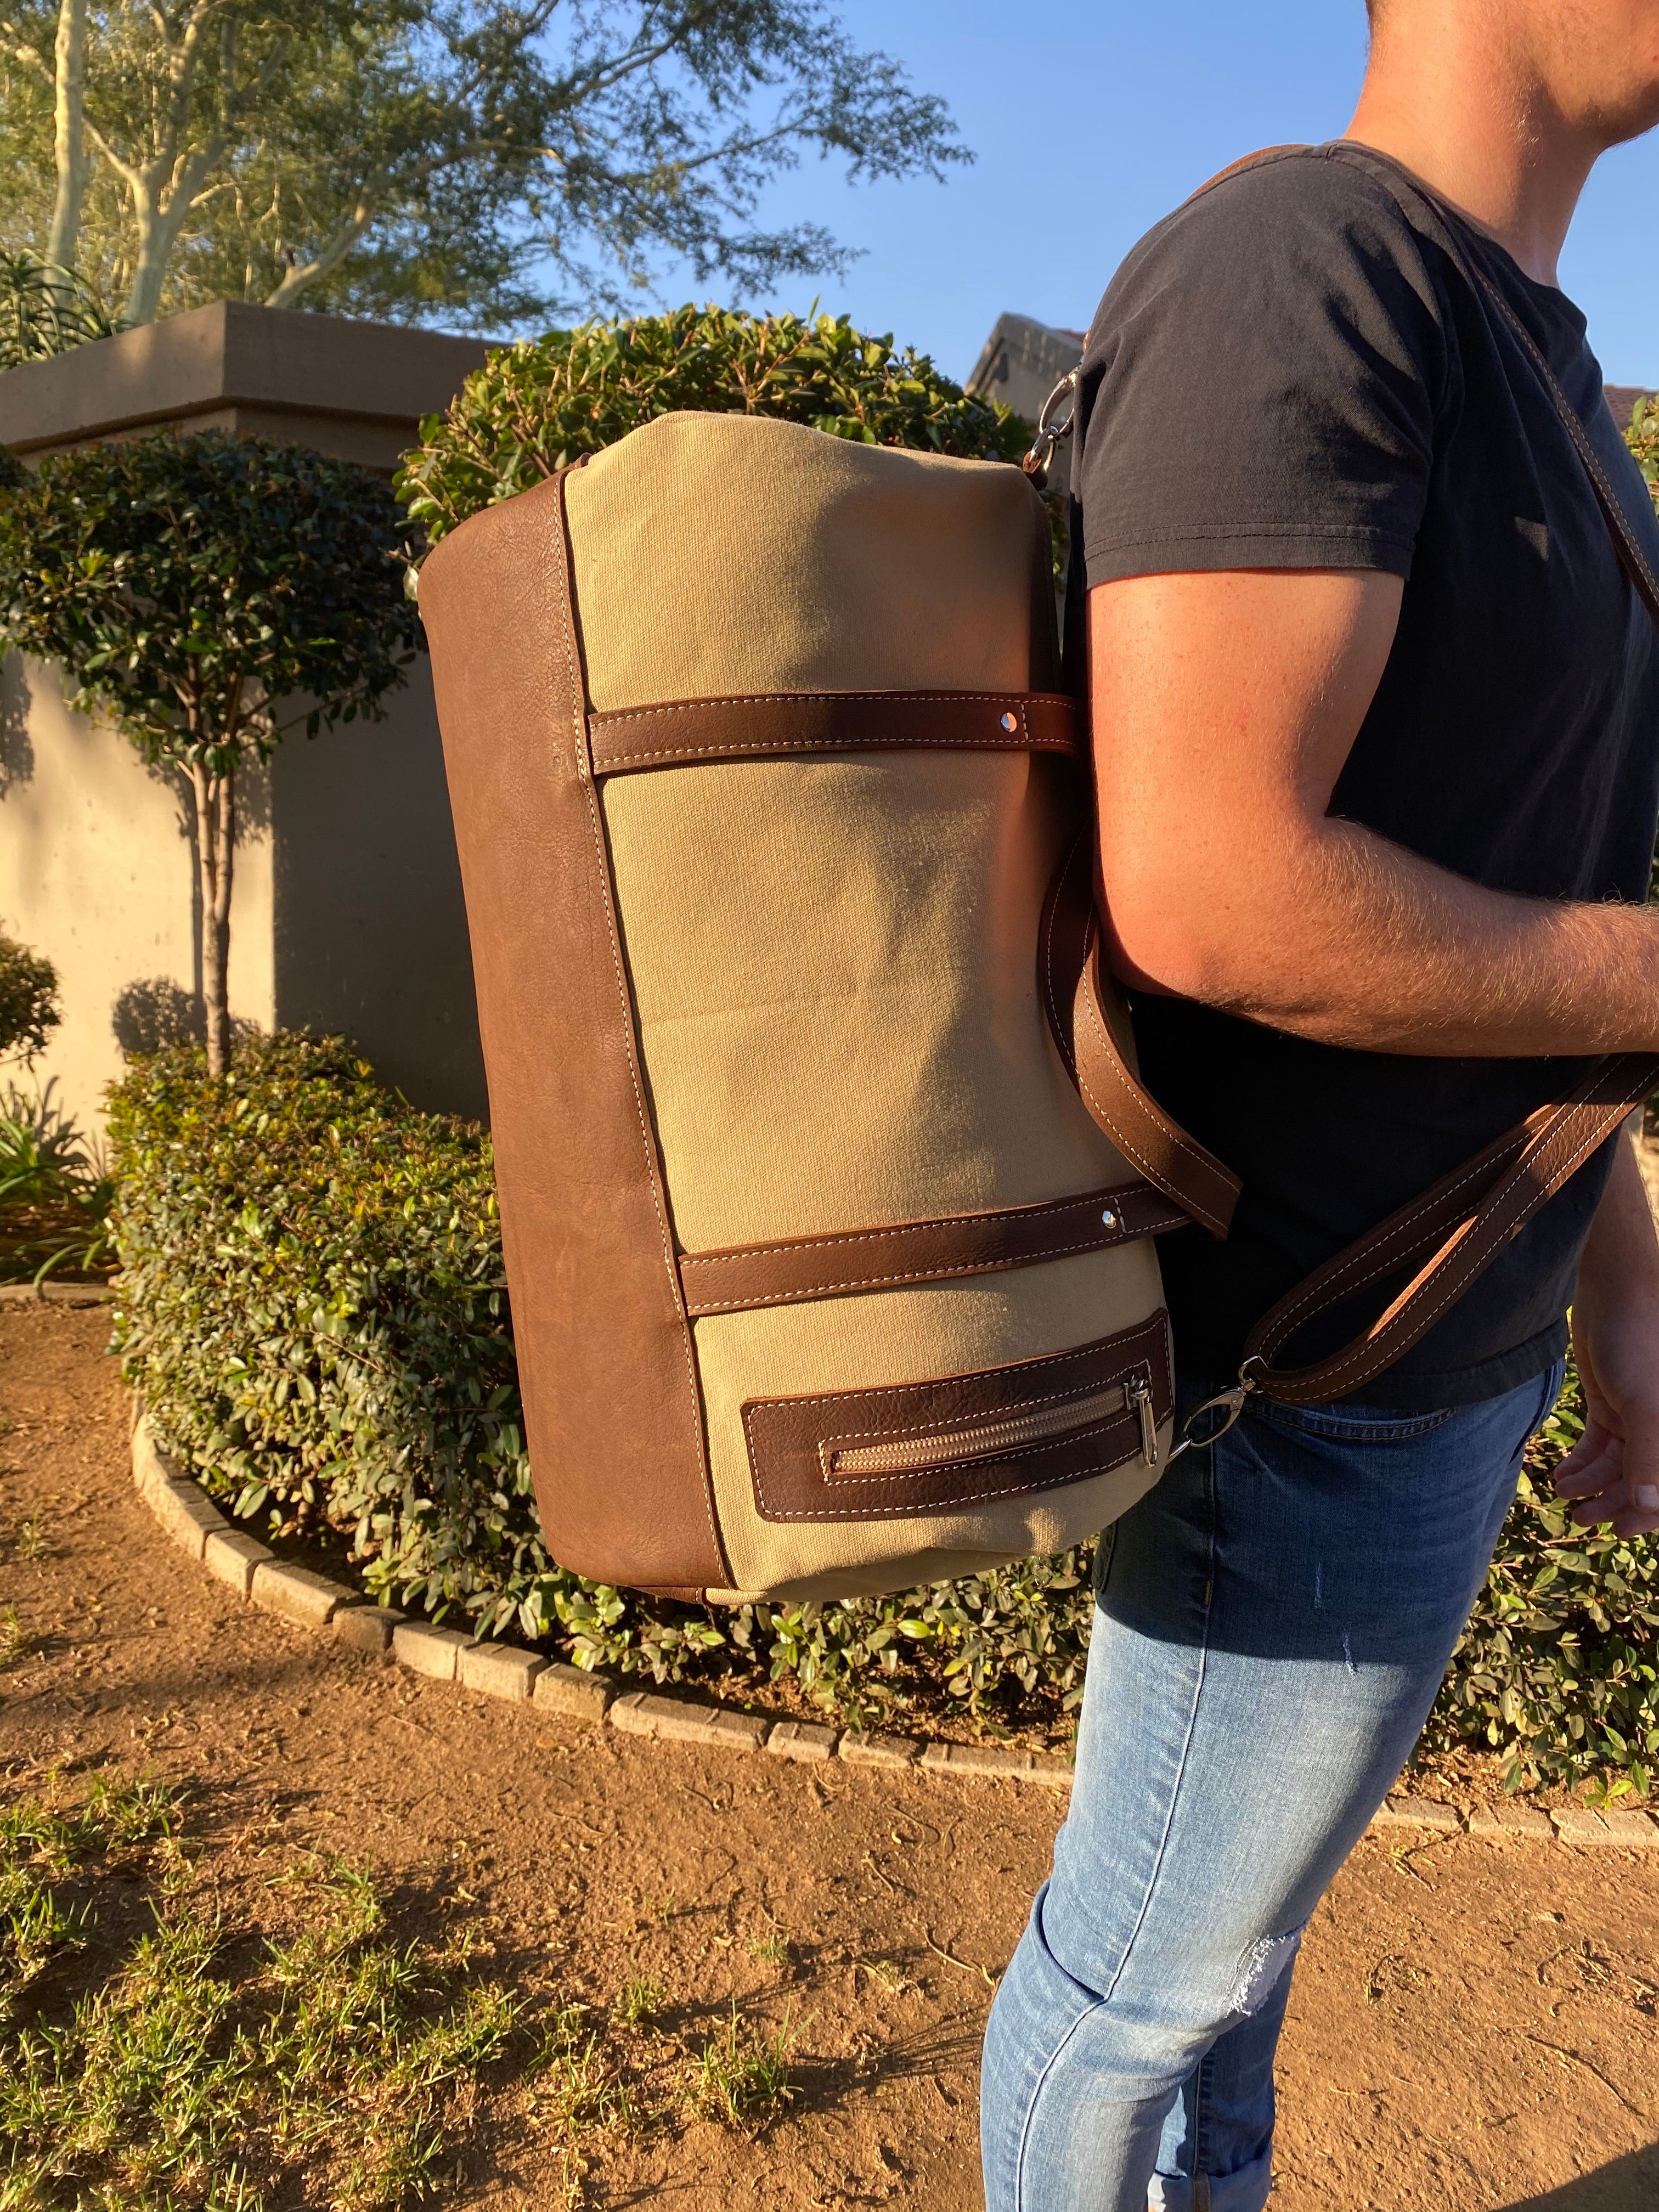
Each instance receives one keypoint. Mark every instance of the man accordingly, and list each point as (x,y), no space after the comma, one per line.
(1377,719)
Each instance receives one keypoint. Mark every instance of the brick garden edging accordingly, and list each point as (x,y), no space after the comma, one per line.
(503,1670)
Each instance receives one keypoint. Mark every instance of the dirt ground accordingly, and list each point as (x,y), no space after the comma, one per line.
(1475,2025)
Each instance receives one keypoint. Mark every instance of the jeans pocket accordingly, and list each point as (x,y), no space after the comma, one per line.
(1351,1423)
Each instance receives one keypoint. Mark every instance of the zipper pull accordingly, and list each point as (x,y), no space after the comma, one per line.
(1138,1392)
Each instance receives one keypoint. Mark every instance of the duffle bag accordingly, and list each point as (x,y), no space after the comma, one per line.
(824,1278)
(827,1180)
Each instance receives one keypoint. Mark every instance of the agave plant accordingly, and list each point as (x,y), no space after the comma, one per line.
(45,310)
(54,1194)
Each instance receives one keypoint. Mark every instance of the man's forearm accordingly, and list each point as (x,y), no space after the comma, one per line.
(1351,941)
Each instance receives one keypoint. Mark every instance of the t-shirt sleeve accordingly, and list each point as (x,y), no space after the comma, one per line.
(1261,383)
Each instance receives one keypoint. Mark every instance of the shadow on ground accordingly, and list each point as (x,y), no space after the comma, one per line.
(1629,2184)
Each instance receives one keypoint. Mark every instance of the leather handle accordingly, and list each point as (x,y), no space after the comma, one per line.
(1090,1027)
(1485,1203)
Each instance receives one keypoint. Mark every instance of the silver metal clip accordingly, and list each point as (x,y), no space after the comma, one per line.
(1051,434)
(1233,1401)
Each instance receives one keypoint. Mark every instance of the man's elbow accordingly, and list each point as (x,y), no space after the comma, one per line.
(1158,938)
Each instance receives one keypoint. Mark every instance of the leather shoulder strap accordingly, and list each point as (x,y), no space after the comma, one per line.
(1483,1205)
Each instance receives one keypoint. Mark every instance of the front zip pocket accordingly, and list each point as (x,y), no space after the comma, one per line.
(988,1439)
(958,1443)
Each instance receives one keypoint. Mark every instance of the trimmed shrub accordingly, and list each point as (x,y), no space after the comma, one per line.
(536,407)
(29,1011)
(1559,1668)
(314,1311)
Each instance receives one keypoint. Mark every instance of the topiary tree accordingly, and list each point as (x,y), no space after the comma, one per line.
(536,407)
(29,1001)
(189,587)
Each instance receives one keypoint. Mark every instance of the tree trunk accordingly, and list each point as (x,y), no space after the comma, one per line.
(63,241)
(216,839)
(150,269)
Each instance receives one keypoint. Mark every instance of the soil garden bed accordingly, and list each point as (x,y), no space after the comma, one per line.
(731,1979)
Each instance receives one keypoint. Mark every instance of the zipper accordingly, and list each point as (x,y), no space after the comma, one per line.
(988,1439)
(1137,1391)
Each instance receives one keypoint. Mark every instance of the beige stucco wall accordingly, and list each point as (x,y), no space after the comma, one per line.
(346,912)
(97,871)
(347,915)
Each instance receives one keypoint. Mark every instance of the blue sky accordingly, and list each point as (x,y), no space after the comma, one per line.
(1090,121)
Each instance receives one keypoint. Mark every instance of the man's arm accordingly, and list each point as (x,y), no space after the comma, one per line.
(1224,706)
(1613,1472)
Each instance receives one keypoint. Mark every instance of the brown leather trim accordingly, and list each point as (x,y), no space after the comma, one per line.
(1489,1199)
(792,1441)
(1086,1012)
(679,732)
(604,1344)
(792,1270)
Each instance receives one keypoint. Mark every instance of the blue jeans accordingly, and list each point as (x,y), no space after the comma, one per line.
(1273,1623)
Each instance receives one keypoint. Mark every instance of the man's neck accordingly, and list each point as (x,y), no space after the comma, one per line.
(1459,108)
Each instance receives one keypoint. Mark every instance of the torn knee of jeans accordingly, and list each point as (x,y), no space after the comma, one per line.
(1266,1965)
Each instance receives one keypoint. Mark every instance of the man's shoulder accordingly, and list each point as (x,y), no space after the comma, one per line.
(1300,216)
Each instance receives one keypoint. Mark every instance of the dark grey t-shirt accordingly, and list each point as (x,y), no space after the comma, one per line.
(1293,372)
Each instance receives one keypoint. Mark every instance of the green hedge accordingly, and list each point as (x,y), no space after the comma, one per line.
(535,407)
(313,1308)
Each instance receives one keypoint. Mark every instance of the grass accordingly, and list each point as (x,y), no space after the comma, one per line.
(196,2063)
(741,2076)
(640,2002)
(14,1642)
(178,2035)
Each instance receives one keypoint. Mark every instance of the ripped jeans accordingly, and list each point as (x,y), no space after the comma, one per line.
(1273,1623)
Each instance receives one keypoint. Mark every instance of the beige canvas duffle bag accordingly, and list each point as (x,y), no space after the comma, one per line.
(774,833)
(827,1182)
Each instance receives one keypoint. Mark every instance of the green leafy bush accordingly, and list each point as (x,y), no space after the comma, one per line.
(314,1309)
(536,407)
(1559,1668)
(29,1010)
(1642,436)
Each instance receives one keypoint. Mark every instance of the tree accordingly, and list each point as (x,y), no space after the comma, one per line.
(190,587)
(424,159)
(536,407)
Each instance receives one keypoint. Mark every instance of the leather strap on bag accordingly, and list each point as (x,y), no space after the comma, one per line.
(1485,1203)
(1090,1023)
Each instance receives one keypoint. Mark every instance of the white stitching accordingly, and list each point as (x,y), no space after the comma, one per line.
(996,1418)
(942,1508)
(962,1269)
(843,743)
(850,1285)
(1055,1207)
(890,1390)
(1424,1205)
(1364,1351)
(561,565)
(1502,1174)
(615,714)
(1168,1128)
